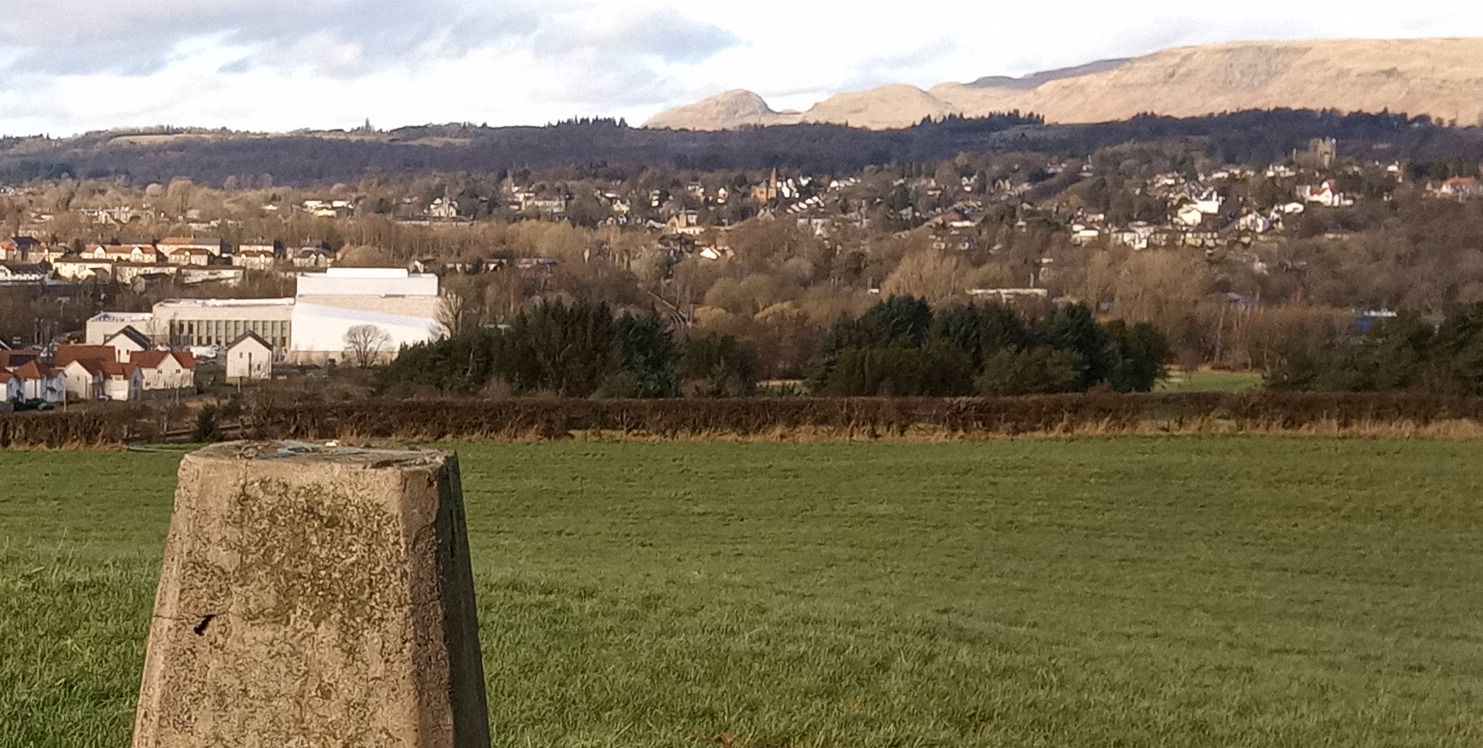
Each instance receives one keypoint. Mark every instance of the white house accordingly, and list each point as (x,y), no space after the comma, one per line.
(17,274)
(1255,223)
(127,342)
(312,257)
(84,379)
(443,209)
(1190,215)
(254,259)
(10,387)
(249,358)
(1208,201)
(171,244)
(1326,194)
(122,382)
(39,382)
(190,256)
(82,268)
(166,370)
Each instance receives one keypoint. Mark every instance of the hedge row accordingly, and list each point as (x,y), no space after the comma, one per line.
(844,418)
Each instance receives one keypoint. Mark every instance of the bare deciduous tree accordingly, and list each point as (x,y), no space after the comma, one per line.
(364,344)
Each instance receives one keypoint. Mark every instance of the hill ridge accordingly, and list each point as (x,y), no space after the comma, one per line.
(1440,77)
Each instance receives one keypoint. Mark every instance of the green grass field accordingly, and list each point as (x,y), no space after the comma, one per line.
(1211,381)
(1182,591)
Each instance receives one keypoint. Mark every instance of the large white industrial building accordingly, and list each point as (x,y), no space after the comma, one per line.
(309,328)
(402,304)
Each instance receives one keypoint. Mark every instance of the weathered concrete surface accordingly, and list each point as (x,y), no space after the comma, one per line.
(315,597)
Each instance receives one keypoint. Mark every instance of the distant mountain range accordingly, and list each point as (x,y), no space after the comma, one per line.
(1442,78)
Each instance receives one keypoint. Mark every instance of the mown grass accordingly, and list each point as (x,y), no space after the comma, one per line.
(1138,591)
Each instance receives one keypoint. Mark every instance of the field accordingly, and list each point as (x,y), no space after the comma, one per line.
(1181,591)
(1211,381)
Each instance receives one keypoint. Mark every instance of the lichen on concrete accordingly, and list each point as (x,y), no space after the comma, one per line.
(314,597)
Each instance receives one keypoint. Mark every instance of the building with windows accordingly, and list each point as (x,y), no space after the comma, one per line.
(310,328)
(104,326)
(202,323)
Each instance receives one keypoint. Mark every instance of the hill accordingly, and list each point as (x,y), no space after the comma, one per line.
(1441,78)
(317,158)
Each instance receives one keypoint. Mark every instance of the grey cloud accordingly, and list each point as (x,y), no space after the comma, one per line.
(124,38)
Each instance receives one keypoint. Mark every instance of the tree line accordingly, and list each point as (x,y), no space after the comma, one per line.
(904,347)
(1406,352)
(324,158)
(899,347)
(575,349)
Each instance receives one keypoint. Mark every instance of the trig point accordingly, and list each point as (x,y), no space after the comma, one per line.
(315,596)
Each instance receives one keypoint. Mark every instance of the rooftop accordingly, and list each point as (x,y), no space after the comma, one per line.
(368,273)
(220,304)
(123,317)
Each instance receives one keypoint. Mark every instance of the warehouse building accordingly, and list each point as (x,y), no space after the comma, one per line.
(401,304)
(307,329)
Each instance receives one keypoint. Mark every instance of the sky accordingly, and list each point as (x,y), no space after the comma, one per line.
(71,66)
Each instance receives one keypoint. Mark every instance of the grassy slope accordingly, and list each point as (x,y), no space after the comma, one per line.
(1193,591)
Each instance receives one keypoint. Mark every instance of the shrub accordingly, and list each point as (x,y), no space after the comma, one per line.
(718,366)
(1037,371)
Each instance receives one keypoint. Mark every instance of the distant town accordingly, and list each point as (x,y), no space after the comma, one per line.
(117,293)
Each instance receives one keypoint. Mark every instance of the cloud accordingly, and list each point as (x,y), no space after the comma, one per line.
(74,65)
(330,37)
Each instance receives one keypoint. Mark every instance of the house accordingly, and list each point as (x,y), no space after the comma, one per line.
(10,388)
(1255,223)
(20,249)
(547,206)
(1190,214)
(41,382)
(48,255)
(84,378)
(1129,238)
(328,208)
(249,358)
(313,257)
(12,360)
(126,342)
(122,382)
(15,274)
(1460,188)
(685,222)
(1326,194)
(139,254)
(1085,235)
(189,256)
(443,209)
(170,244)
(166,370)
(68,353)
(80,269)
(1207,201)
(254,259)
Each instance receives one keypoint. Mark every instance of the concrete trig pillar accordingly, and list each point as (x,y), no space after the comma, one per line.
(314,597)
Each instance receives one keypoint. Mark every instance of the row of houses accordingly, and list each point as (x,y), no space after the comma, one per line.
(125,367)
(27,260)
